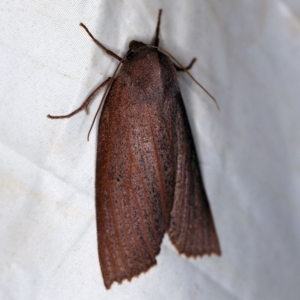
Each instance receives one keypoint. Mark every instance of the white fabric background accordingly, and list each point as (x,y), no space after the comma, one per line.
(248,58)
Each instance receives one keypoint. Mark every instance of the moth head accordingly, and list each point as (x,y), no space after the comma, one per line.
(135,46)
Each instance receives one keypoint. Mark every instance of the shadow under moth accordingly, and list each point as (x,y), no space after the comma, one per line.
(148,180)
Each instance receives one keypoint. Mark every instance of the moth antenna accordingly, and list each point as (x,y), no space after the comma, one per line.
(185,69)
(109,52)
(106,92)
(156,41)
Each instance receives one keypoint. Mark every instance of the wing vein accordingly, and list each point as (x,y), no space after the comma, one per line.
(184,198)
(149,210)
(160,179)
(115,210)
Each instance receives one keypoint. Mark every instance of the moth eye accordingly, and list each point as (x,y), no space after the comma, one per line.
(136,46)
(131,44)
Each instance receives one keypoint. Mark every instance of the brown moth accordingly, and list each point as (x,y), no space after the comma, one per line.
(148,180)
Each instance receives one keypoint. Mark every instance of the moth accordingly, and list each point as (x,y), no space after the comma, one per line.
(148,180)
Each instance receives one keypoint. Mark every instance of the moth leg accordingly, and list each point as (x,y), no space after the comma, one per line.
(85,104)
(156,41)
(186,68)
(100,45)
